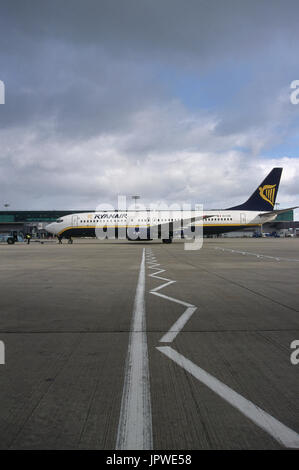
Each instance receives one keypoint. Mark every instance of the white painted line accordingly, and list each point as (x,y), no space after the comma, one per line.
(162,285)
(272,426)
(158,277)
(135,422)
(2,353)
(154,265)
(258,255)
(157,272)
(180,323)
(178,326)
(172,299)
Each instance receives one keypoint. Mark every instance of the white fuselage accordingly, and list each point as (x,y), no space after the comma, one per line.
(215,221)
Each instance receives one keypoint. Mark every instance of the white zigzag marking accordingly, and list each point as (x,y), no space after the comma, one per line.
(275,428)
(182,320)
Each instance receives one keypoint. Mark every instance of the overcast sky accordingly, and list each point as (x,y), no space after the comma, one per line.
(175,100)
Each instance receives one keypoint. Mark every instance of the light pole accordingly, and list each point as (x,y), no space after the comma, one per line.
(135,199)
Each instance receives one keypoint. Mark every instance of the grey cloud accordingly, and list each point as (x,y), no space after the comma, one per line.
(99,60)
(87,114)
(172,25)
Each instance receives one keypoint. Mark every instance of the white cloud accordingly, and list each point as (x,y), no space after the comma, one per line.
(166,153)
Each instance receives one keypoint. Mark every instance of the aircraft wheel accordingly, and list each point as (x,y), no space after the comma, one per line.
(167,240)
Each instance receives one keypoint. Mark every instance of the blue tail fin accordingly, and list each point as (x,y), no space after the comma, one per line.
(263,198)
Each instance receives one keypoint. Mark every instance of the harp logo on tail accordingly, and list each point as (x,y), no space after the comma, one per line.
(267,192)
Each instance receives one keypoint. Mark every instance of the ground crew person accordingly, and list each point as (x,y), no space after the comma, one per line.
(28,238)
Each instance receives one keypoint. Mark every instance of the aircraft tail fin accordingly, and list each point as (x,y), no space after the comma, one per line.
(263,198)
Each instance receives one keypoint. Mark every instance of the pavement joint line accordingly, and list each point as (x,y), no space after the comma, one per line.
(176,328)
(100,332)
(281,433)
(135,421)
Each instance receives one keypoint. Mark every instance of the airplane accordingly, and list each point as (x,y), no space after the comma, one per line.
(140,225)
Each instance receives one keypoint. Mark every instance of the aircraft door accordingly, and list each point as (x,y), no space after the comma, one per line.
(74,221)
(243,219)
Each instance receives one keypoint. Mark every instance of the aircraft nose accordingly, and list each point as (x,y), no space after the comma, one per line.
(50,228)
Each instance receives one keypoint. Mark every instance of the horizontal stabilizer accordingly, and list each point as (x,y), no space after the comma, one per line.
(280,211)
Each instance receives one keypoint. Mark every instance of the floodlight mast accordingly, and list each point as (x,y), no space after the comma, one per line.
(135,198)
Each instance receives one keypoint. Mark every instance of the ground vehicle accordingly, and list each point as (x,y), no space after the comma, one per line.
(274,234)
(11,238)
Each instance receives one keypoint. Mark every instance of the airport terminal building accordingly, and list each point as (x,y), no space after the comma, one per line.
(34,222)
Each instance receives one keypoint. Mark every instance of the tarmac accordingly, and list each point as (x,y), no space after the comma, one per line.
(118,344)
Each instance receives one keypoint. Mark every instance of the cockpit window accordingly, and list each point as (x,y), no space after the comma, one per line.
(59,220)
